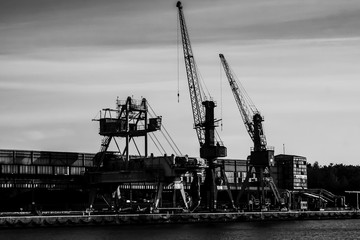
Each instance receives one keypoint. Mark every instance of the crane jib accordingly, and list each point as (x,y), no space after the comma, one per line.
(251,117)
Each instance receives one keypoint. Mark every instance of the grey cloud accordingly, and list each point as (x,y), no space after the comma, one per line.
(42,24)
(79,24)
(345,24)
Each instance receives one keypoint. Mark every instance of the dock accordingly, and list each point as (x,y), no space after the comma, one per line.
(88,219)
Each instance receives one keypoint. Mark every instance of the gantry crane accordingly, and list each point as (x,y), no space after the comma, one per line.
(117,170)
(262,156)
(129,121)
(204,121)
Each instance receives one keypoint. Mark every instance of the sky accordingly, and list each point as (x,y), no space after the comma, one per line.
(61,62)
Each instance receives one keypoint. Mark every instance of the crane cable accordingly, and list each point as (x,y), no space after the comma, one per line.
(201,82)
(136,148)
(172,147)
(155,144)
(221,98)
(167,136)
(246,96)
(178,59)
(157,140)
(221,108)
(218,136)
(171,141)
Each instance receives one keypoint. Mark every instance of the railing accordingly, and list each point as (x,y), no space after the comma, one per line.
(24,157)
(134,104)
(271,148)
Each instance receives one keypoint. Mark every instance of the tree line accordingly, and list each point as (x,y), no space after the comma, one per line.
(336,178)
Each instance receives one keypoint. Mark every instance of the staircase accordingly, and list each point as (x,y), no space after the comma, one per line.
(273,187)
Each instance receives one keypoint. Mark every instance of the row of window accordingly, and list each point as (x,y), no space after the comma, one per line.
(43,170)
(231,177)
(38,185)
(299,172)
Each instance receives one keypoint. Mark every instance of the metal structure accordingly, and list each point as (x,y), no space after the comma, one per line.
(262,156)
(116,170)
(204,121)
(128,121)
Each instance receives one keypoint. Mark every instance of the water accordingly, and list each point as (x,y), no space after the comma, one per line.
(324,229)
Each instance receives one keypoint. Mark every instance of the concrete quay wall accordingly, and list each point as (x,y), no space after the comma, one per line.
(87,219)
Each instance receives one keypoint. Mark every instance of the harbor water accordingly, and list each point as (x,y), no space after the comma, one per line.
(310,229)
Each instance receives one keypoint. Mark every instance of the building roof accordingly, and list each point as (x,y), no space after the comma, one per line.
(288,155)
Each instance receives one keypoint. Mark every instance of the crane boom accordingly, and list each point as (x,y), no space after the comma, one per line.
(261,157)
(204,121)
(249,113)
(193,79)
(239,98)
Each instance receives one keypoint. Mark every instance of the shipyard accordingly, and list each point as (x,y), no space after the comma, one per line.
(124,182)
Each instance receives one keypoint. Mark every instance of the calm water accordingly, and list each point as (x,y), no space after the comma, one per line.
(325,229)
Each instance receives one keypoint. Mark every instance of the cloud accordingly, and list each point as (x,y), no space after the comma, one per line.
(41,135)
(62,61)
(81,24)
(122,25)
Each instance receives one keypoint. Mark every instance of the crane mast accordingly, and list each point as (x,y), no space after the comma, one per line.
(204,121)
(261,157)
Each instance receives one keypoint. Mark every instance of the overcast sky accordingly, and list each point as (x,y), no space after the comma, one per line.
(63,61)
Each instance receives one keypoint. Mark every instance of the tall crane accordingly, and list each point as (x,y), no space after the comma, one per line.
(262,156)
(203,115)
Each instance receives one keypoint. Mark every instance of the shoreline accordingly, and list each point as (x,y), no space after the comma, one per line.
(51,219)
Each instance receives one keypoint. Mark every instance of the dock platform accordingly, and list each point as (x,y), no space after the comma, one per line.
(91,219)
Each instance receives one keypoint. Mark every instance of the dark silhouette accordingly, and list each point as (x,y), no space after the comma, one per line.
(336,178)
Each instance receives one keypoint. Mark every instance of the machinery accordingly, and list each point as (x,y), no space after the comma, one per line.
(128,121)
(262,156)
(204,121)
(117,173)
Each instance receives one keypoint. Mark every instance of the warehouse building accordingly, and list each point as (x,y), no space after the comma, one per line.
(57,178)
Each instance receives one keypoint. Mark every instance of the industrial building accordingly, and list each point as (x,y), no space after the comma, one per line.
(56,180)
(291,172)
